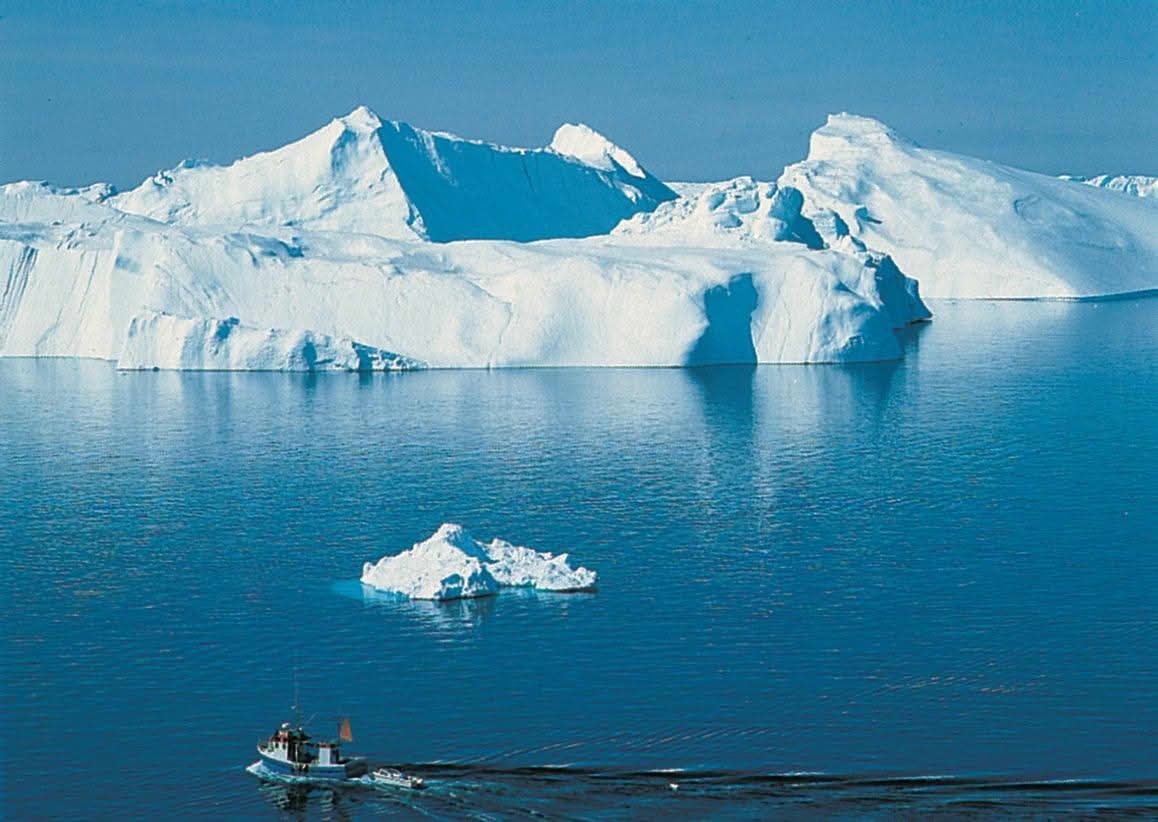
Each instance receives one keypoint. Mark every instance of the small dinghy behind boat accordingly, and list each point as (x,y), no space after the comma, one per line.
(396,779)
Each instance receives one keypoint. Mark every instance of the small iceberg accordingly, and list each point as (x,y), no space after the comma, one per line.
(453,565)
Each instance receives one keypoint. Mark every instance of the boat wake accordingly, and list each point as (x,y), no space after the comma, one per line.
(457,791)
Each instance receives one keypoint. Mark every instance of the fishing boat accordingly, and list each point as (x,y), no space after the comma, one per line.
(397,779)
(290,751)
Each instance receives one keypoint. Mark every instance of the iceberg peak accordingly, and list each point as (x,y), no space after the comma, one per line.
(845,129)
(855,124)
(583,143)
(336,177)
(362,120)
(456,536)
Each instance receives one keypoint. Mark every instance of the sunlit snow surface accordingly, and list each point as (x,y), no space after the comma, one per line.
(366,175)
(453,565)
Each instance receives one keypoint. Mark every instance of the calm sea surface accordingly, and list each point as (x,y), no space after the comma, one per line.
(856,591)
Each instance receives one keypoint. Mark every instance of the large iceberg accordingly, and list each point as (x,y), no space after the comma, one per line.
(971,228)
(414,244)
(451,564)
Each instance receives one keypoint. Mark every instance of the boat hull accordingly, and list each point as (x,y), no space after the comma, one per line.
(311,770)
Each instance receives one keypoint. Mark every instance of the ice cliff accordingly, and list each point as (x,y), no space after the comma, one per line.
(971,228)
(74,291)
(372,244)
(451,564)
(164,341)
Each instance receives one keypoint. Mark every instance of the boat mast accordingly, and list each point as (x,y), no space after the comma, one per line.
(297,711)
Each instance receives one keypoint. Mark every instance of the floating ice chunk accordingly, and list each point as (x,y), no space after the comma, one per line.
(453,565)
(448,565)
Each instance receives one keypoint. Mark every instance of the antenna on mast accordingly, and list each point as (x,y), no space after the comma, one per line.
(297,710)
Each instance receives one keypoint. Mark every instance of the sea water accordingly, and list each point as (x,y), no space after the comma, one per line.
(850,590)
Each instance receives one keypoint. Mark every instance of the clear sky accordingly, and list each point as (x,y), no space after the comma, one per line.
(115,90)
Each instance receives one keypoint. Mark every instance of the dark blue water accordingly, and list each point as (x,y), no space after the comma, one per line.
(945,567)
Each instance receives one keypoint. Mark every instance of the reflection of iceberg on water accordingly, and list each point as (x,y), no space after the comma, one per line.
(453,565)
(444,617)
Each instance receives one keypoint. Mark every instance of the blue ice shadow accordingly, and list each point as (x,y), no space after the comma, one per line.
(727,339)
(465,190)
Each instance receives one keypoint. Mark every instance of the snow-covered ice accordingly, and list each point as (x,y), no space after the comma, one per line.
(363,174)
(38,202)
(451,564)
(581,142)
(740,210)
(965,227)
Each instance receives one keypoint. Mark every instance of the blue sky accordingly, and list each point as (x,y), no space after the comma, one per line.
(115,90)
